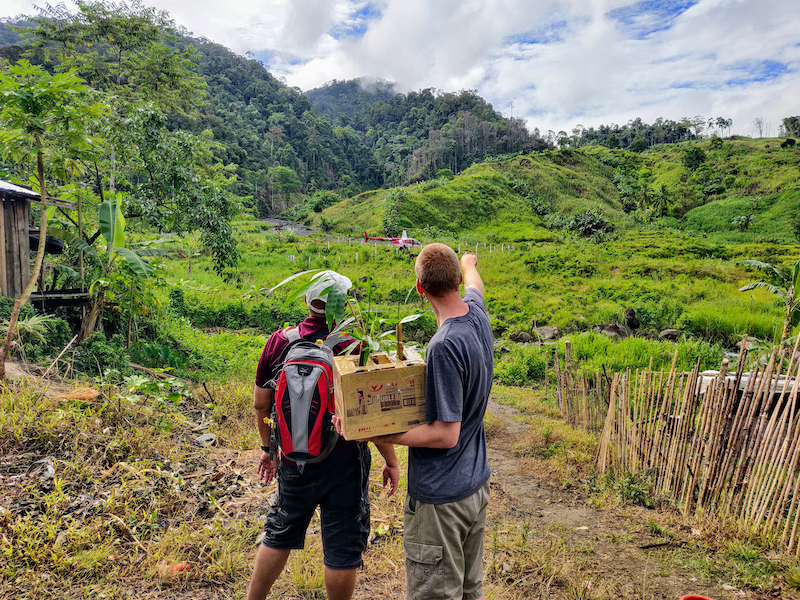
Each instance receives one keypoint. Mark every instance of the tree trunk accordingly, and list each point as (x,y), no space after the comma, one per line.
(787,324)
(90,322)
(26,293)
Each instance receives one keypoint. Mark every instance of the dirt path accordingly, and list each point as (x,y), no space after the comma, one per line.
(617,544)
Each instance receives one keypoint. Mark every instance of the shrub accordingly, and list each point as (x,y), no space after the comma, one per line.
(96,355)
(742,222)
(521,366)
(693,157)
(589,223)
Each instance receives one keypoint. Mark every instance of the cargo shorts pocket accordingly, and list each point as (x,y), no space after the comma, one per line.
(424,578)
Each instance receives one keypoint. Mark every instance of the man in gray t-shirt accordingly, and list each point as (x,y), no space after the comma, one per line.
(448,473)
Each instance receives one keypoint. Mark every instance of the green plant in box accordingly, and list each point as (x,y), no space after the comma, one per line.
(367,327)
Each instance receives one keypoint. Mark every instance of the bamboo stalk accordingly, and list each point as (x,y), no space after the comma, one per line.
(744,433)
(709,456)
(686,434)
(730,433)
(769,449)
(757,434)
(559,384)
(780,468)
(671,435)
(696,439)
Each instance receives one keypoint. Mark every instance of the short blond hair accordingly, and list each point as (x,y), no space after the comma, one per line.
(437,270)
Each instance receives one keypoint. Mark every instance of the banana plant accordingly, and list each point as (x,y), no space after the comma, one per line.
(783,283)
(112,229)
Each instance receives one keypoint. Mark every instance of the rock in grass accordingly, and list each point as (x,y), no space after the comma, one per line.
(617,331)
(523,337)
(548,333)
(207,439)
(670,334)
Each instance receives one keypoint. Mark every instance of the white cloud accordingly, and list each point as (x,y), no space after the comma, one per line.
(594,61)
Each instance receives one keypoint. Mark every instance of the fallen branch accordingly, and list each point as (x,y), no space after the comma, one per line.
(159,374)
(52,364)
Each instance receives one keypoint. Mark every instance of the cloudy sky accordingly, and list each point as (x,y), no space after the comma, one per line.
(557,63)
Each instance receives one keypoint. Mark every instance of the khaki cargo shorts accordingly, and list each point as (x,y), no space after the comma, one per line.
(443,545)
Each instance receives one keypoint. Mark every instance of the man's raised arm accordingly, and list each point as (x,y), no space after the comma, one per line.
(469,270)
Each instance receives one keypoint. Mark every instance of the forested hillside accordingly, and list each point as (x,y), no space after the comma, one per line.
(345,100)
(262,127)
(419,133)
(731,190)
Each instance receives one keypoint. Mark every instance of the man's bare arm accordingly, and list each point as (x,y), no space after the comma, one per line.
(436,434)
(469,270)
(391,470)
(263,400)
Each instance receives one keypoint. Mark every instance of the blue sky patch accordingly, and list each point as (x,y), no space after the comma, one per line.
(644,18)
(553,32)
(357,23)
(753,72)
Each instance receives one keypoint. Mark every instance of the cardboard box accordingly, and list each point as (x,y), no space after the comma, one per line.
(386,396)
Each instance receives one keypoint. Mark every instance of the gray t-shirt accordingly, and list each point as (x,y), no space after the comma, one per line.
(460,363)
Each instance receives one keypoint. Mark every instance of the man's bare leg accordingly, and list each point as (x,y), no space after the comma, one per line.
(340,583)
(269,564)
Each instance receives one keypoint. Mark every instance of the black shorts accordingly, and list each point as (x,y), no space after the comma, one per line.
(339,485)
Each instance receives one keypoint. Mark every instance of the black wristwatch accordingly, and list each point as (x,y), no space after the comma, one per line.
(265,448)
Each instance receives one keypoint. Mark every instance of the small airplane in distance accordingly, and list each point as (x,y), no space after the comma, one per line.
(401,242)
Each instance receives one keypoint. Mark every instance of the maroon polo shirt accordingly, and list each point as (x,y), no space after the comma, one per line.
(312,328)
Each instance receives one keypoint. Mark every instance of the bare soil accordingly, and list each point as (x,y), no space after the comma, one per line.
(617,543)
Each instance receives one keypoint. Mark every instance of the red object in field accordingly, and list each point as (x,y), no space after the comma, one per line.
(402,242)
(692,597)
(184,566)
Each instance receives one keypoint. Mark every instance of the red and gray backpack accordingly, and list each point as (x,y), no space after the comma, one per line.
(303,404)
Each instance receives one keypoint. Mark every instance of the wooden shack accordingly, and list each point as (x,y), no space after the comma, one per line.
(15,244)
(15,237)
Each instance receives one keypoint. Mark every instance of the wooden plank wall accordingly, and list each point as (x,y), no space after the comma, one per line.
(15,222)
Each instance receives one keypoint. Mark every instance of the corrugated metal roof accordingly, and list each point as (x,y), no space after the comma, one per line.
(15,189)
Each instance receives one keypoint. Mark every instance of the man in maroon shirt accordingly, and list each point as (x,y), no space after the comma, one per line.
(338,484)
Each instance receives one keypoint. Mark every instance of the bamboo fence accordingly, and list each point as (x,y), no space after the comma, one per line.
(582,397)
(731,447)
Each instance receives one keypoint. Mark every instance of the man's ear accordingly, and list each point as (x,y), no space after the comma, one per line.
(460,279)
(420,291)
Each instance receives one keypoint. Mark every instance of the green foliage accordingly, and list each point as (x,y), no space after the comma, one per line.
(585,224)
(639,144)
(743,222)
(632,489)
(266,317)
(692,157)
(601,352)
(46,114)
(522,365)
(421,133)
(37,336)
(392,204)
(794,224)
(120,47)
(96,355)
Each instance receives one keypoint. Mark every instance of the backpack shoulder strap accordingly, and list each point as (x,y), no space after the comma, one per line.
(292,334)
(334,339)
